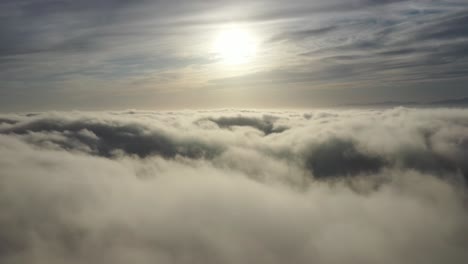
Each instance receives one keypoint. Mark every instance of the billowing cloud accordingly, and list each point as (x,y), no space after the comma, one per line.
(337,186)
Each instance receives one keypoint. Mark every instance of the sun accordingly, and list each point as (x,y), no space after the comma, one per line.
(235,45)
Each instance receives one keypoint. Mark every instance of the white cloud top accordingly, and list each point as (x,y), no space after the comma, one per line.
(329,186)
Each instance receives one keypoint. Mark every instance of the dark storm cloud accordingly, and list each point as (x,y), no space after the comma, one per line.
(250,203)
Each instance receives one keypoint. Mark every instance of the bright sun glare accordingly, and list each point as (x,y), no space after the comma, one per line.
(235,45)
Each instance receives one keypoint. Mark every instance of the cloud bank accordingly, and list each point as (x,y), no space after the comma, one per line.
(232,186)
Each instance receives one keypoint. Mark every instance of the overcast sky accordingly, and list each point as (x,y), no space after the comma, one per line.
(114,54)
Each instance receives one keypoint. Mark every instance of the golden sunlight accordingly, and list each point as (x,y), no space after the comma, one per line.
(235,45)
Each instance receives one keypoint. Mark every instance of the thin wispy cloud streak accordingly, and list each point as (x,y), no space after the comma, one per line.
(137,51)
(230,186)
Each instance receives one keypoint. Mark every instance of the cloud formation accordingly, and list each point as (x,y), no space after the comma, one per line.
(264,124)
(135,50)
(337,186)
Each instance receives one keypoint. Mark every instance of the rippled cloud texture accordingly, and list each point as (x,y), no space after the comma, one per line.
(325,186)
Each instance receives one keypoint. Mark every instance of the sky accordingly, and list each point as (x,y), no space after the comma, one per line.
(116,54)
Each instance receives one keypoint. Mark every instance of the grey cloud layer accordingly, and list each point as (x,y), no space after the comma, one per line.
(56,47)
(406,43)
(221,187)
